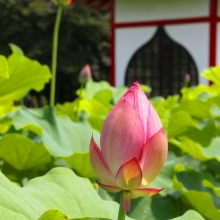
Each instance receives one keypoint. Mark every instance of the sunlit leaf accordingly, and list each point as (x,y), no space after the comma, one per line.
(94,87)
(198,151)
(189,184)
(153,208)
(212,74)
(61,136)
(25,74)
(211,185)
(190,215)
(178,123)
(4,72)
(21,153)
(5,124)
(81,164)
(53,214)
(59,189)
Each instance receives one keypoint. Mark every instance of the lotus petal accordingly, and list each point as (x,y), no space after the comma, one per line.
(108,188)
(122,136)
(144,192)
(129,175)
(153,157)
(99,165)
(138,100)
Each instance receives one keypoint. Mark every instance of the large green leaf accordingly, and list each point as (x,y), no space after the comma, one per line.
(197,102)
(61,136)
(153,208)
(53,214)
(189,184)
(4,67)
(164,108)
(213,74)
(96,109)
(202,132)
(5,124)
(198,151)
(58,189)
(178,123)
(209,184)
(81,164)
(95,87)
(21,153)
(56,214)
(25,74)
(164,179)
(190,215)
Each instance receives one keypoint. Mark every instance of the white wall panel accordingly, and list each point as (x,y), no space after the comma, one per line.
(128,40)
(195,38)
(147,10)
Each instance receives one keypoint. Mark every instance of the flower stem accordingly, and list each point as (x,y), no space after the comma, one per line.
(78,101)
(121,212)
(54,56)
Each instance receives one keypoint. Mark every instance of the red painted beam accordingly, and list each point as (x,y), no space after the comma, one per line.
(162,22)
(112,52)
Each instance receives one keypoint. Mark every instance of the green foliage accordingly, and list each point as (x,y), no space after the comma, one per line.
(15,87)
(4,67)
(21,153)
(59,189)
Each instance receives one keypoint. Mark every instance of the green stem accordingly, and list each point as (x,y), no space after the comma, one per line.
(54,56)
(121,212)
(78,101)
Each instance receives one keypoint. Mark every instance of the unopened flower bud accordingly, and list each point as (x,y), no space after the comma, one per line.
(187,79)
(85,74)
(62,2)
(133,148)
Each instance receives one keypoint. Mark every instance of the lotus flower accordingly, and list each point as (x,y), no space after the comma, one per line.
(133,147)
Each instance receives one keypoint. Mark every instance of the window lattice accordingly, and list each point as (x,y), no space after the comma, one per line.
(161,64)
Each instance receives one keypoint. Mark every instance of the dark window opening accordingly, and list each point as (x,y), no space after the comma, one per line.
(161,64)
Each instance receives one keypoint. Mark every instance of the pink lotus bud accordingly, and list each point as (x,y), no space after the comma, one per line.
(62,2)
(133,147)
(85,74)
(187,80)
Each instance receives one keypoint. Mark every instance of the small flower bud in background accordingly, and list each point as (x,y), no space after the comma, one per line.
(62,2)
(187,79)
(85,74)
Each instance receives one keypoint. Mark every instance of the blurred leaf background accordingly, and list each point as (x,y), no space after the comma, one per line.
(83,38)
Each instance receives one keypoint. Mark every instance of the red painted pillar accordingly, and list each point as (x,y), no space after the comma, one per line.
(112,52)
(213,32)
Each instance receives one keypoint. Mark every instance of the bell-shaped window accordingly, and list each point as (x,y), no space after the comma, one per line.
(163,65)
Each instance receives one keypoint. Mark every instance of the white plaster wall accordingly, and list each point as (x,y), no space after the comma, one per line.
(218,44)
(147,10)
(128,40)
(195,38)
